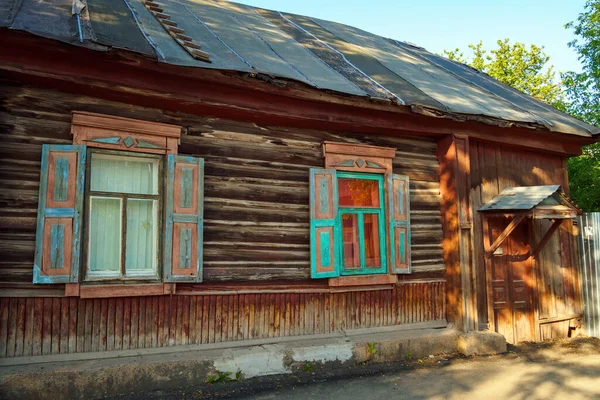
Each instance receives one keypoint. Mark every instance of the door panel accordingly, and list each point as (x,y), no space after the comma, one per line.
(511,283)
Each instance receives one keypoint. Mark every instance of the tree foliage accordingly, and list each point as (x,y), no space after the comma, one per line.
(527,70)
(583,95)
(583,89)
(516,65)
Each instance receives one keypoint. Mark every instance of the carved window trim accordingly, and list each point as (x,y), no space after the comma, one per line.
(125,134)
(365,159)
(358,157)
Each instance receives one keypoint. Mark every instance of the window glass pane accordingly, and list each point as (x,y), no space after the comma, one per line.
(372,254)
(110,173)
(351,246)
(105,236)
(141,237)
(358,192)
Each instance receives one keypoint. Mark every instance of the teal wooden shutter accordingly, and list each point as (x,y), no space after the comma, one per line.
(184,226)
(60,204)
(399,204)
(324,232)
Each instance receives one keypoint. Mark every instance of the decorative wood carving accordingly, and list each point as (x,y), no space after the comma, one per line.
(117,133)
(358,158)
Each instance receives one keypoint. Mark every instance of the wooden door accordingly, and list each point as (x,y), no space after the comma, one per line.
(511,283)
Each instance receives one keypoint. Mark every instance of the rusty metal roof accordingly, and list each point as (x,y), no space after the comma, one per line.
(525,198)
(323,54)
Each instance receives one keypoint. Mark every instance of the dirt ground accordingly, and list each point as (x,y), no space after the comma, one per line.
(567,368)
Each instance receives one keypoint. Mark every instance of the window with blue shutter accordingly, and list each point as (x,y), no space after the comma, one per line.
(60,204)
(184,219)
(360,214)
(110,208)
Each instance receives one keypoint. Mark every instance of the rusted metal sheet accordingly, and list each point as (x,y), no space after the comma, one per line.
(589,264)
(270,44)
(68,325)
(521,198)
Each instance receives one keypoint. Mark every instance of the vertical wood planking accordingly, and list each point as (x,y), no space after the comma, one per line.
(64,325)
(12,328)
(20,328)
(29,324)
(38,326)
(4,317)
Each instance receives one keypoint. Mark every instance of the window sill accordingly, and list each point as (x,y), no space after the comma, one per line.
(125,290)
(363,280)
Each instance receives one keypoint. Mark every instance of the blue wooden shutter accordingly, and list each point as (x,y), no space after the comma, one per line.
(60,204)
(184,219)
(324,232)
(399,204)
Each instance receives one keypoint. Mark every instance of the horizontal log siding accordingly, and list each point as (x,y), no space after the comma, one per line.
(256,187)
(40,326)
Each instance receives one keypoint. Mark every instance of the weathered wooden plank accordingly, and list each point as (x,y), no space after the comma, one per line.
(134,333)
(235,321)
(185,320)
(110,324)
(118,324)
(11,328)
(162,323)
(192,320)
(151,322)
(102,341)
(198,321)
(64,325)
(219,319)
(96,312)
(29,323)
(127,318)
(46,326)
(205,318)
(213,319)
(37,325)
(142,322)
(20,327)
(222,334)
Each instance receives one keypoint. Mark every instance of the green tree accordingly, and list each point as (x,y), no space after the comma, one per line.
(525,69)
(583,95)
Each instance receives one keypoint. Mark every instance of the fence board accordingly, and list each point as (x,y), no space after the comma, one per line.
(589,264)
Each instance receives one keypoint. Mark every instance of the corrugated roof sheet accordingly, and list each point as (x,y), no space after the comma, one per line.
(521,198)
(322,54)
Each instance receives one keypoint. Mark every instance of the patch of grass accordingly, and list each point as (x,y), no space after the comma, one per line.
(307,367)
(224,376)
(372,349)
(408,356)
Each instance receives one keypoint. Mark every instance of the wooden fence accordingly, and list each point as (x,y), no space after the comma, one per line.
(589,263)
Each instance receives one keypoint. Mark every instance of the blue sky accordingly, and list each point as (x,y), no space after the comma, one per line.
(446,24)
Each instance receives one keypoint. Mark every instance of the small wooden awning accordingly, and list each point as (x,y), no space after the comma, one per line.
(536,202)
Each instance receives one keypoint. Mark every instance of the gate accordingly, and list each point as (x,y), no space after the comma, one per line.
(589,264)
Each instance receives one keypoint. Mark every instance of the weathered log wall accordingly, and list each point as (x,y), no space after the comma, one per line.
(39,326)
(256,187)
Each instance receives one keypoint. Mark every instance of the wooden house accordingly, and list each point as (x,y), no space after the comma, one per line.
(190,171)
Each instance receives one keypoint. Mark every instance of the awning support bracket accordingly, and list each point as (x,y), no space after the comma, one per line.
(489,251)
(546,238)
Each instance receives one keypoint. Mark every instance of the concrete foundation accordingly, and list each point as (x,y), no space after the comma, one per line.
(96,375)
(480,343)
